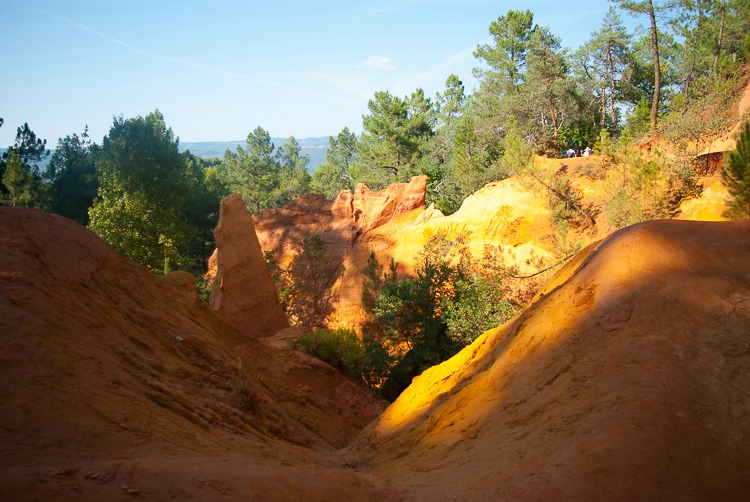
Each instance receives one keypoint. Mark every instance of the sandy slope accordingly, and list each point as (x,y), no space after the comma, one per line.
(113,377)
(627,379)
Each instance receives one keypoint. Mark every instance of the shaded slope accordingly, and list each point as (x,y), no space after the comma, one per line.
(628,378)
(114,377)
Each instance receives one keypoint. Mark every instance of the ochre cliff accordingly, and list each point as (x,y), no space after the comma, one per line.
(394,224)
(373,209)
(513,215)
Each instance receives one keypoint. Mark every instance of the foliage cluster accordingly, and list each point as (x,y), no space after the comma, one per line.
(677,77)
(736,177)
(416,322)
(305,286)
(423,320)
(342,348)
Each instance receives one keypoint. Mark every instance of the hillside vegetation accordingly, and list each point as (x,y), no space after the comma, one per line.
(677,79)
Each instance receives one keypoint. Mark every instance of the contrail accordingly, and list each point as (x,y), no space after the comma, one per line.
(184,62)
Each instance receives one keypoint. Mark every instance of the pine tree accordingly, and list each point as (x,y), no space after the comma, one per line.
(17,182)
(736,177)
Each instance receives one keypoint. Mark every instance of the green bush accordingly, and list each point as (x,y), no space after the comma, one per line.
(338,347)
(364,357)
(736,177)
(203,287)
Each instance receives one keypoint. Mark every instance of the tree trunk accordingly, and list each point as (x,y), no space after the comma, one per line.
(611,71)
(721,34)
(657,67)
(699,30)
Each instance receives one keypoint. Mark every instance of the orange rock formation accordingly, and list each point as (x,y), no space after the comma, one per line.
(339,223)
(373,209)
(394,224)
(243,291)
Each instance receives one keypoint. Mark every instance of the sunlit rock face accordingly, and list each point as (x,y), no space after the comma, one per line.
(394,224)
(627,378)
(243,291)
(282,231)
(373,209)
(340,222)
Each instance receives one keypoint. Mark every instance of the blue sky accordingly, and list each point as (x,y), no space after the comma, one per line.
(219,69)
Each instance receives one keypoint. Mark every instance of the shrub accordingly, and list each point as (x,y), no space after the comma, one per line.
(365,357)
(736,177)
(203,287)
(338,347)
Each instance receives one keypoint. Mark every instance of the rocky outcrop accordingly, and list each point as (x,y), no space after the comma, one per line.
(282,231)
(340,223)
(503,214)
(243,291)
(618,382)
(395,224)
(709,206)
(374,209)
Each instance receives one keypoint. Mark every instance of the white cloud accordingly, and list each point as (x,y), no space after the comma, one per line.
(377,63)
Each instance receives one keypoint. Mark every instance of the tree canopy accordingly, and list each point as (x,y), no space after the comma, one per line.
(143,185)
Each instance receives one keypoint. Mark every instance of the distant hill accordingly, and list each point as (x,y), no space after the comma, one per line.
(315,147)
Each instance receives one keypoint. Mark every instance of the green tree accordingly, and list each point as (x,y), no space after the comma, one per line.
(419,321)
(478,301)
(71,178)
(548,91)
(333,175)
(451,299)
(17,182)
(506,55)
(253,171)
(394,138)
(713,34)
(294,179)
(143,185)
(437,162)
(736,177)
(201,209)
(450,105)
(466,172)
(604,65)
(31,153)
(499,83)
(647,7)
(409,312)
(517,153)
